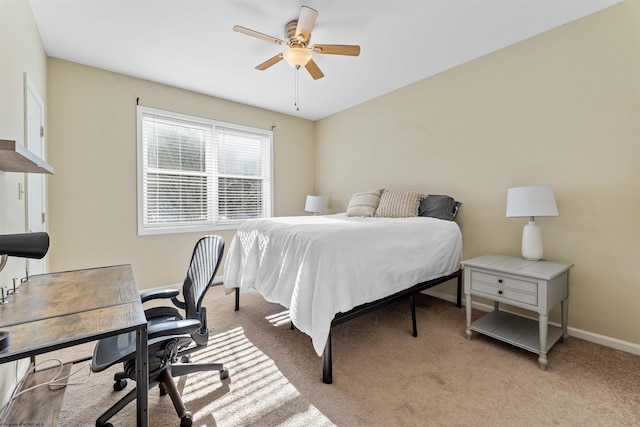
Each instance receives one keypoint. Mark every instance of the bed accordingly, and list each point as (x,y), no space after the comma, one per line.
(329,269)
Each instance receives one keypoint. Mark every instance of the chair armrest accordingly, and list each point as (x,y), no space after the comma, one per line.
(175,327)
(159,294)
(161,313)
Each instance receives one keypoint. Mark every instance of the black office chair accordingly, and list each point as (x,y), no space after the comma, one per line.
(172,335)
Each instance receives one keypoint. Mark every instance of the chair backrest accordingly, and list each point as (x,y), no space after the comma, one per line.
(205,261)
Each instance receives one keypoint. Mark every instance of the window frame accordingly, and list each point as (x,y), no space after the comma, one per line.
(212,223)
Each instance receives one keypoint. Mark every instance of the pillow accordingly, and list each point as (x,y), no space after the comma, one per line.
(398,204)
(456,208)
(364,204)
(438,206)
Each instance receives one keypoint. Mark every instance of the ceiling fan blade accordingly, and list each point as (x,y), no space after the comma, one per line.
(256,34)
(269,62)
(305,23)
(336,49)
(313,69)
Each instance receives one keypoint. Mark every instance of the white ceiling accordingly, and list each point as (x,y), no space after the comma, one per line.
(190,44)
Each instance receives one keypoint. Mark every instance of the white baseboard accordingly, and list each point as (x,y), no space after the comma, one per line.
(615,343)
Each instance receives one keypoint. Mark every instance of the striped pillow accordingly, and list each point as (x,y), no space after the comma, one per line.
(364,204)
(398,204)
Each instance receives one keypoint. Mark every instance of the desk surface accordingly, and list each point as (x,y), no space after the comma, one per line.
(58,310)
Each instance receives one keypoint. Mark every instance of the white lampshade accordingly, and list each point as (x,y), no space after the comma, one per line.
(297,56)
(314,204)
(530,202)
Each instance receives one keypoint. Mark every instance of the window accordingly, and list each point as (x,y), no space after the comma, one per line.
(196,174)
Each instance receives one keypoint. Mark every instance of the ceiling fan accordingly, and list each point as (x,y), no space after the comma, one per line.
(298,53)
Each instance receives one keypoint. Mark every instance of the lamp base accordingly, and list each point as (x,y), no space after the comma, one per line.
(532,241)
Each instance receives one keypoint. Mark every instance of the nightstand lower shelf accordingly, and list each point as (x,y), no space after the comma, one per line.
(516,330)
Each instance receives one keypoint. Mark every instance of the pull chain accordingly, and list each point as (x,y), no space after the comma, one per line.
(295,102)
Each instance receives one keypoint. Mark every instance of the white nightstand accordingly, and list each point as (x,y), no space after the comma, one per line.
(532,285)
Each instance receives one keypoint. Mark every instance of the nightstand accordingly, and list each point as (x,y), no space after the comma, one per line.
(532,285)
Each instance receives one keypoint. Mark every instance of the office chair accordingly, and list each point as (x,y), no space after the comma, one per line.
(174,332)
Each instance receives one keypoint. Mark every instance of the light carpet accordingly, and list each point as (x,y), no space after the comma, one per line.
(382,375)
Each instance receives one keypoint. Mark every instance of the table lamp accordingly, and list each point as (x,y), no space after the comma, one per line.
(531,201)
(24,245)
(314,204)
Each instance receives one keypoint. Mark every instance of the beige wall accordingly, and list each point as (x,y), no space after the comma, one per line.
(20,52)
(92,116)
(560,109)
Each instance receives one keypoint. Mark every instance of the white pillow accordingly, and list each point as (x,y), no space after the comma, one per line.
(398,204)
(364,203)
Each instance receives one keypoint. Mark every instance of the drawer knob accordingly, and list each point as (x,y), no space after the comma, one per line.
(499,280)
(500,292)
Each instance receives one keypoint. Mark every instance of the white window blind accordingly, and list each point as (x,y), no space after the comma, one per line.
(197,174)
(242,172)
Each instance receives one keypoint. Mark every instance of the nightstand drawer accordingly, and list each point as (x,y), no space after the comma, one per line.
(528,286)
(491,291)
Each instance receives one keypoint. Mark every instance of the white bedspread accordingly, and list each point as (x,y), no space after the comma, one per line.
(318,266)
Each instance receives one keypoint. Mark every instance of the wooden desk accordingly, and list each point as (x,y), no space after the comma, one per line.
(59,310)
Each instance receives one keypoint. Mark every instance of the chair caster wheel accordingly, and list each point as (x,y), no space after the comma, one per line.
(224,374)
(187,420)
(119,385)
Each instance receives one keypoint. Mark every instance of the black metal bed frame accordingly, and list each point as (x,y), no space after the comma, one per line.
(327,365)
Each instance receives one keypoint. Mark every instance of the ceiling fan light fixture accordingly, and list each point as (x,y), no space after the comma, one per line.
(297,56)
(298,52)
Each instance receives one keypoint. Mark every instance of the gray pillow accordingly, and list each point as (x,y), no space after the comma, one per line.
(438,206)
